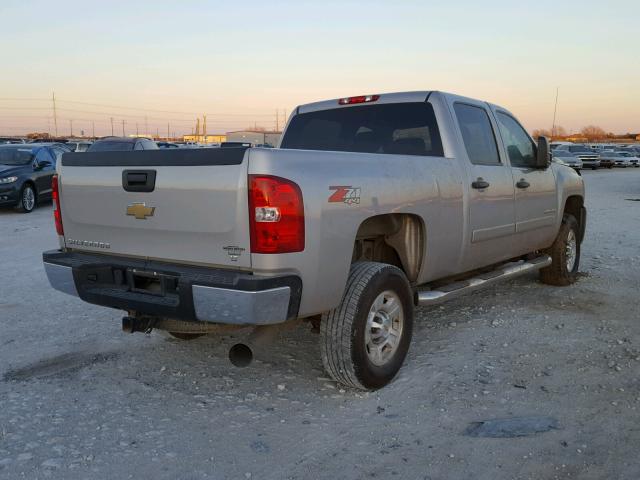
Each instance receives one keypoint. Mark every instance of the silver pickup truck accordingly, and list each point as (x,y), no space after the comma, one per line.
(370,206)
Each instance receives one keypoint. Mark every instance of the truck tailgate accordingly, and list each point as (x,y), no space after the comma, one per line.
(185,205)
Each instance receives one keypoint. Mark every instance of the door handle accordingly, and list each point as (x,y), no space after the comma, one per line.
(522,183)
(480,184)
(139,180)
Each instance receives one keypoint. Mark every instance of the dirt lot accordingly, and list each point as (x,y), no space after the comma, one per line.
(81,399)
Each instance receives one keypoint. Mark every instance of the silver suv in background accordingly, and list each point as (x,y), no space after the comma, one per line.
(122,144)
(565,157)
(589,158)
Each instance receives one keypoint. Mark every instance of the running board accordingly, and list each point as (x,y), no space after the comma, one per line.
(458,289)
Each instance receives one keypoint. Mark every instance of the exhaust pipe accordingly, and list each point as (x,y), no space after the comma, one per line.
(136,324)
(242,354)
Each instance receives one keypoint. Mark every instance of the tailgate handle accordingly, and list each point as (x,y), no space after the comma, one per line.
(139,180)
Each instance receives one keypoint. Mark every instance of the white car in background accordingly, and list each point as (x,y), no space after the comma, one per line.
(565,157)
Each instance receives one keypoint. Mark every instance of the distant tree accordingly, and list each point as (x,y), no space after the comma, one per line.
(559,131)
(35,135)
(541,132)
(593,132)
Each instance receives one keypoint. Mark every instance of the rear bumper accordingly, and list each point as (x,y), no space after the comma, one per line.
(169,290)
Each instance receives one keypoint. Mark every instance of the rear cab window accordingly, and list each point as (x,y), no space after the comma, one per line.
(394,128)
(477,134)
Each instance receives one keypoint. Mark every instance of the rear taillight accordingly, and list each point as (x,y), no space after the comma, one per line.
(359,99)
(57,213)
(276,215)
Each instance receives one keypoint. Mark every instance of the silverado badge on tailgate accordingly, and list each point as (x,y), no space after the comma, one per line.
(140,211)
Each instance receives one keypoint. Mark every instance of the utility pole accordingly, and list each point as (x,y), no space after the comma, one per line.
(93,129)
(157,133)
(55,114)
(146,126)
(123,129)
(168,131)
(277,120)
(112,126)
(71,127)
(137,132)
(555,108)
(204,128)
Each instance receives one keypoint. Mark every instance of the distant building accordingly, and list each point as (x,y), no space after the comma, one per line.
(256,137)
(204,138)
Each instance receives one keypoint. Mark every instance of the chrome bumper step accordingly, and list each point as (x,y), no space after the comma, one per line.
(458,289)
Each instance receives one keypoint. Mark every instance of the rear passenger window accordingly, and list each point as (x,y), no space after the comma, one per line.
(477,134)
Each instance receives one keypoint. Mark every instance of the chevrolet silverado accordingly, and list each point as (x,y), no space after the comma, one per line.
(370,206)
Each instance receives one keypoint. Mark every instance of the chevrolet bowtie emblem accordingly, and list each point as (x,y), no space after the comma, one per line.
(140,211)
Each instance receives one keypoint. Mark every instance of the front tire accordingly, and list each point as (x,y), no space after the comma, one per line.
(365,339)
(565,255)
(27,201)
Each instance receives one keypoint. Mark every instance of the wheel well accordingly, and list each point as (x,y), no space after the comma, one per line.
(32,184)
(394,238)
(573,205)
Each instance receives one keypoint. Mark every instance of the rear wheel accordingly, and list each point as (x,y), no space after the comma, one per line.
(27,201)
(365,340)
(565,255)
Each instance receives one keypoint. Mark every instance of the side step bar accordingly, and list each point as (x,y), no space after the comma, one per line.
(458,289)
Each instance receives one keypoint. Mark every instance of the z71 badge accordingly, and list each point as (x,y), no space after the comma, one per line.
(345,194)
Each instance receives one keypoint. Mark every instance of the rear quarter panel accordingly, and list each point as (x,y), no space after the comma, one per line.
(430,187)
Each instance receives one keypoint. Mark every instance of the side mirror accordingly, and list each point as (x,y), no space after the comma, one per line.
(41,164)
(543,156)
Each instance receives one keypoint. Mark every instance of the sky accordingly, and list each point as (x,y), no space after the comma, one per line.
(159,62)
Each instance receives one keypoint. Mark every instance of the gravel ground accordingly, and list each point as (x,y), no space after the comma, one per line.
(81,399)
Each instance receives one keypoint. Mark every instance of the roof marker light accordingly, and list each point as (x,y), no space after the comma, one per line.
(359,99)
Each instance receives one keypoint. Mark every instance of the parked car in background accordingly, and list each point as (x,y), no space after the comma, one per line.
(554,145)
(78,146)
(164,145)
(235,145)
(617,159)
(122,144)
(26,171)
(10,140)
(567,158)
(634,160)
(589,158)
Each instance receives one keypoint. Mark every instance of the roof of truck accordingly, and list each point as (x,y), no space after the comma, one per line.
(398,97)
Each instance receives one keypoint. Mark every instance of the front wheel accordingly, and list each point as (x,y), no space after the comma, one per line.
(27,201)
(565,255)
(365,339)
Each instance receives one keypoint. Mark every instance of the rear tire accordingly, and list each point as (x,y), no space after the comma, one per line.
(365,339)
(28,199)
(565,255)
